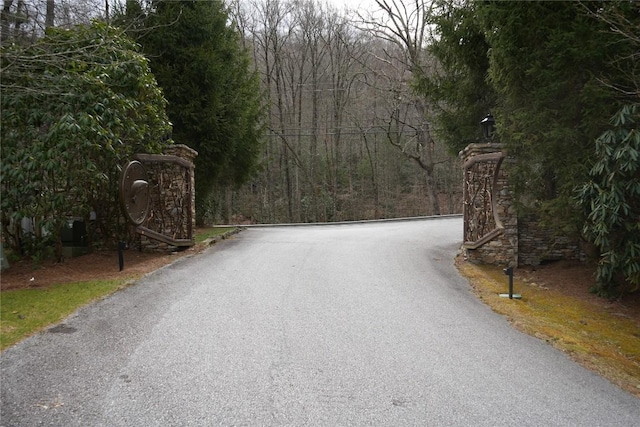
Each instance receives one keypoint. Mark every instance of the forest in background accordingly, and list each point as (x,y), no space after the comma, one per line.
(303,112)
(347,137)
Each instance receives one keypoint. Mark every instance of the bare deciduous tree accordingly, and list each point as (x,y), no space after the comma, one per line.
(405,26)
(336,96)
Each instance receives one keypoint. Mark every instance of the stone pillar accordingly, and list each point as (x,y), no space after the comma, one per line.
(170,221)
(189,154)
(490,218)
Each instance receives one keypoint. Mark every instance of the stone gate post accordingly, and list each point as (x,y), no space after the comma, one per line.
(490,217)
(189,154)
(171,218)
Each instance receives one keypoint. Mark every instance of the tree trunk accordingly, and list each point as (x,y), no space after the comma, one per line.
(48,22)
(4,27)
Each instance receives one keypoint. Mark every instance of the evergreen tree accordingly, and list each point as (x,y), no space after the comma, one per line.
(556,71)
(545,61)
(537,67)
(214,97)
(459,87)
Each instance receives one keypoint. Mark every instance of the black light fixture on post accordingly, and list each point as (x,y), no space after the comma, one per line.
(488,125)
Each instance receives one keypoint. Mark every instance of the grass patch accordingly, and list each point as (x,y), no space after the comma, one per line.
(591,335)
(24,312)
(27,311)
(203,234)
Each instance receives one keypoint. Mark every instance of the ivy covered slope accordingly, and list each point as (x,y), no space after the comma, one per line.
(76,105)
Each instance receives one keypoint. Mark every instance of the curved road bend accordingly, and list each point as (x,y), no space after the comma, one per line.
(362,325)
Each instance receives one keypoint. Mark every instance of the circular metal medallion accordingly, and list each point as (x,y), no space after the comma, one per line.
(134,192)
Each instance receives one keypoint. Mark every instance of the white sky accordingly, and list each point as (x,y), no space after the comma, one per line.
(353,4)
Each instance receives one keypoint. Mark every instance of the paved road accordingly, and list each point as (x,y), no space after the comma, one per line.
(363,325)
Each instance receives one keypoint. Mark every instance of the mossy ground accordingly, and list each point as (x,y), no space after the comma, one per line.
(603,340)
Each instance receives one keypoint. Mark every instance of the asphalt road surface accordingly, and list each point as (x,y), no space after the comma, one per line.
(336,325)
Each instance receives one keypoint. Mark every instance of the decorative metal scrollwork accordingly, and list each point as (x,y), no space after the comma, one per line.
(134,192)
(481,221)
(159,203)
(170,212)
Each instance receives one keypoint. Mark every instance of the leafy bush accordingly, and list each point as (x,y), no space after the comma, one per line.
(612,200)
(75,106)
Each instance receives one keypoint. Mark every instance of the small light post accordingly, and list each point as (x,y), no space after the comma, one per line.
(488,125)
(121,247)
(509,272)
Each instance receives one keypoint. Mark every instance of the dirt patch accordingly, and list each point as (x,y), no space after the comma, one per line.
(100,265)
